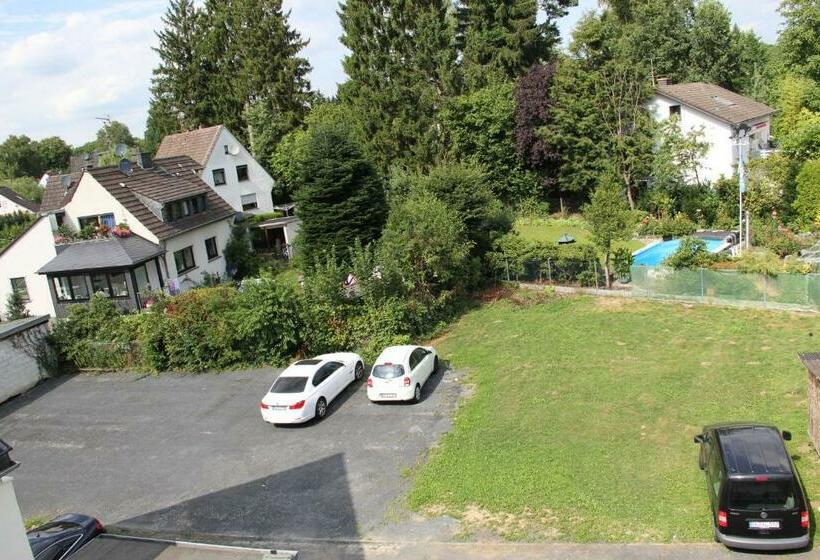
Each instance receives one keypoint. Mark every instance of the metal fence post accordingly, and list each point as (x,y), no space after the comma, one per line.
(702,287)
(507,263)
(766,290)
(549,270)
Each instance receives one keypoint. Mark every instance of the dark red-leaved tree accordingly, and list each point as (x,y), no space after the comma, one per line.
(533,112)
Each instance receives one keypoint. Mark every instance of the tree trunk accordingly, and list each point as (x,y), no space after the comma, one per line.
(606,271)
(561,203)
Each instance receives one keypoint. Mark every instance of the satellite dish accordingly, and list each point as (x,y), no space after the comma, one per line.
(233,150)
(65,181)
(121,150)
(86,156)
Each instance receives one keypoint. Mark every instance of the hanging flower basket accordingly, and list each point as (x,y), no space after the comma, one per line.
(121,230)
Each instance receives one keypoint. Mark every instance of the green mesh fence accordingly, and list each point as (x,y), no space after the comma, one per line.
(801,290)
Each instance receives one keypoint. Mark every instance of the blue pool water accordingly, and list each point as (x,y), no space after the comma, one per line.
(656,254)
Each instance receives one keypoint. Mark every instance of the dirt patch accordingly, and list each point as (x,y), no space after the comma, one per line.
(527,525)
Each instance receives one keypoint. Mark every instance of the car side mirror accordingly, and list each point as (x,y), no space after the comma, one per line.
(699,438)
(787,435)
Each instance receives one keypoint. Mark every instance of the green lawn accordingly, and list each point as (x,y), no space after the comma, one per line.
(289,276)
(581,422)
(551,229)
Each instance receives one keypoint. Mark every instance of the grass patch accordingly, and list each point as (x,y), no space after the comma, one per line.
(35,521)
(289,276)
(549,230)
(581,424)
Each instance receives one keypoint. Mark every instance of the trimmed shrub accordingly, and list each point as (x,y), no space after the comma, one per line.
(807,203)
(692,253)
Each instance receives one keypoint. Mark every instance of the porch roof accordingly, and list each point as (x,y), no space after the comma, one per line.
(97,254)
(277,222)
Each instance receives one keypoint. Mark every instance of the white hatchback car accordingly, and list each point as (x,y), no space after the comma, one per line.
(305,389)
(400,372)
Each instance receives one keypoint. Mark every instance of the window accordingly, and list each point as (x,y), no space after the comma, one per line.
(324,372)
(249,202)
(110,285)
(674,110)
(219,177)
(416,357)
(79,289)
(18,285)
(227,151)
(211,249)
(184,259)
(242,173)
(289,385)
(757,496)
(70,288)
(62,288)
(99,220)
(60,218)
(388,371)
(179,209)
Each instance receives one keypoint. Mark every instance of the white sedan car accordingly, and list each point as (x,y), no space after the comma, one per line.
(305,389)
(400,372)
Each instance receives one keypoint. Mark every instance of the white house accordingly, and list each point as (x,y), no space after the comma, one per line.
(177,227)
(227,167)
(718,113)
(11,202)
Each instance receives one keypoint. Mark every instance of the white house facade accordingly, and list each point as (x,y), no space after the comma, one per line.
(124,231)
(718,114)
(227,167)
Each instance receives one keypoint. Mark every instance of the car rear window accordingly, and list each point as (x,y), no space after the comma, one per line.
(756,496)
(289,385)
(388,371)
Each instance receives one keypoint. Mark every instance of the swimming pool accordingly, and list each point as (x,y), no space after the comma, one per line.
(653,255)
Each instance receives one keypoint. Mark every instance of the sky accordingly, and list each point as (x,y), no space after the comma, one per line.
(66,63)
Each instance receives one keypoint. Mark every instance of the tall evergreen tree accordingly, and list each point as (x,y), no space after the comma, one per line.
(400,71)
(341,197)
(800,38)
(178,85)
(713,56)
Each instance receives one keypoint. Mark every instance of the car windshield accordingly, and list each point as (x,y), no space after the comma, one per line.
(757,496)
(289,385)
(388,371)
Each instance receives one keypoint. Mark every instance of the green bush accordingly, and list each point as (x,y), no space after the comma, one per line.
(770,234)
(678,225)
(692,253)
(93,336)
(807,203)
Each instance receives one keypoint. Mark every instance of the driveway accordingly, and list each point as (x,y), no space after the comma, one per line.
(190,457)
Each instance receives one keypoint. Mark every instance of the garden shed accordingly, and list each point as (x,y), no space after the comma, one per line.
(812,363)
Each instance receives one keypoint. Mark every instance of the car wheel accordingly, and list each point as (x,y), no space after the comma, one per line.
(701,460)
(435,365)
(417,393)
(321,408)
(358,372)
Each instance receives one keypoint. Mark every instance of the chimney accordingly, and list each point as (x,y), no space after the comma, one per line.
(125,167)
(662,82)
(144,160)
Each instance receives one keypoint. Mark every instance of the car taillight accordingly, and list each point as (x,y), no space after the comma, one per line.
(804,519)
(723,520)
(99,526)
(406,381)
(263,406)
(297,406)
(369,381)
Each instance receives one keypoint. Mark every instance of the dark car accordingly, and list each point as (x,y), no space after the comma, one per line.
(61,537)
(758,501)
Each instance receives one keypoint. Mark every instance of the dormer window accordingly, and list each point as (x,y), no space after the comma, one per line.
(180,209)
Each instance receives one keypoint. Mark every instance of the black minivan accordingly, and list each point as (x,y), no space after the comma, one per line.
(758,501)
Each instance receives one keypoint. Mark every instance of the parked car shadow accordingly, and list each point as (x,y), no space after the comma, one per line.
(309,504)
(17,402)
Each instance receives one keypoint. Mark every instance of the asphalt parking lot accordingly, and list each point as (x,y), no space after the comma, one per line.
(189,456)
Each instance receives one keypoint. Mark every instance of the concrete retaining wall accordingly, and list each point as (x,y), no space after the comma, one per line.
(20,344)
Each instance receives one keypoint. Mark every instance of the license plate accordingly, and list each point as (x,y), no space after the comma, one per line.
(387,395)
(764,524)
(283,407)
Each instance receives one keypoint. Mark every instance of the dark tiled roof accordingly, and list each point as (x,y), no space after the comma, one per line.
(716,101)
(56,196)
(97,254)
(196,144)
(812,362)
(19,200)
(167,183)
